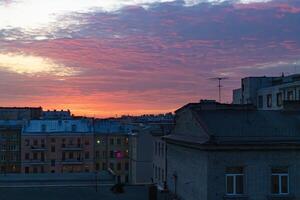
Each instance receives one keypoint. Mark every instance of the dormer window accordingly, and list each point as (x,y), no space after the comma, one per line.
(43,128)
(74,128)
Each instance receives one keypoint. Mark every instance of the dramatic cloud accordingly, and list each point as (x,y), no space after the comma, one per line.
(32,65)
(131,57)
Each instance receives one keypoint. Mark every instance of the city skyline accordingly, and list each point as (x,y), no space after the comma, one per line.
(139,57)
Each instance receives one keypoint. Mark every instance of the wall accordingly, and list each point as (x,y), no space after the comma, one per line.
(190,165)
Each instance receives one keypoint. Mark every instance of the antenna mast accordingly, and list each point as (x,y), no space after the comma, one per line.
(220,79)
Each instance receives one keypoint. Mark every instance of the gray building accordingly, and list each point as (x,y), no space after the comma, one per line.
(220,151)
(268,93)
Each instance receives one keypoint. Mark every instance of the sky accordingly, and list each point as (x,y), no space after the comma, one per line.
(109,58)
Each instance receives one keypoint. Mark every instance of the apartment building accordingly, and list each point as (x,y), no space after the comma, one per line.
(226,152)
(20,113)
(112,148)
(57,146)
(268,93)
(10,146)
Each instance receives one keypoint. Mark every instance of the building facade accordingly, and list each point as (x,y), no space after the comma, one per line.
(57,146)
(10,146)
(268,93)
(20,113)
(222,152)
(112,148)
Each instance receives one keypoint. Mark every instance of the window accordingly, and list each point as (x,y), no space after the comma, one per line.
(42,156)
(26,170)
(63,157)
(111,153)
(104,166)
(290,95)
(27,156)
(104,154)
(126,166)
(111,165)
(87,155)
(53,140)
(269,100)
(119,166)
(35,156)
(119,141)
(97,154)
(155,148)
(234,180)
(43,128)
(71,155)
(78,142)
(126,140)
(35,170)
(27,142)
(162,149)
(52,148)
(260,101)
(87,142)
(52,163)
(74,128)
(111,141)
(97,166)
(159,149)
(35,142)
(280,180)
(279,99)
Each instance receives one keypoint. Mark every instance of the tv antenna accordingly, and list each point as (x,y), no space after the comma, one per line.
(220,79)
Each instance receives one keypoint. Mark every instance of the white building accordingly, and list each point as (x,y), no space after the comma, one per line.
(268,93)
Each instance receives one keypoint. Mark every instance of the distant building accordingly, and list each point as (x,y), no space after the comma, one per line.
(20,113)
(57,146)
(10,146)
(112,148)
(160,154)
(268,93)
(220,151)
(57,114)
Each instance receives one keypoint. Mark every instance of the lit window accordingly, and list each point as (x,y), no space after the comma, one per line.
(280,180)
(234,181)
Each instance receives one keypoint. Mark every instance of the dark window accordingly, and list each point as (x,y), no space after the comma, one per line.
(35,156)
(111,141)
(279,99)
(269,100)
(71,155)
(87,155)
(53,163)
(111,153)
(43,128)
(53,140)
(74,128)
(42,156)
(119,166)
(52,148)
(111,165)
(87,142)
(97,166)
(280,180)
(63,157)
(234,180)
(126,166)
(35,142)
(42,169)
(119,141)
(78,142)
(26,170)
(27,156)
(126,179)
(27,142)
(104,167)
(104,154)
(97,154)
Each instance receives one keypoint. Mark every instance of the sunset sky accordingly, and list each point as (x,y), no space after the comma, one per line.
(111,57)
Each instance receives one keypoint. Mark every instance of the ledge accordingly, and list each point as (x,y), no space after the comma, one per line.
(236,197)
(281,197)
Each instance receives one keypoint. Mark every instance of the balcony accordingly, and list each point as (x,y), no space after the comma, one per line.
(38,148)
(36,162)
(71,147)
(72,162)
